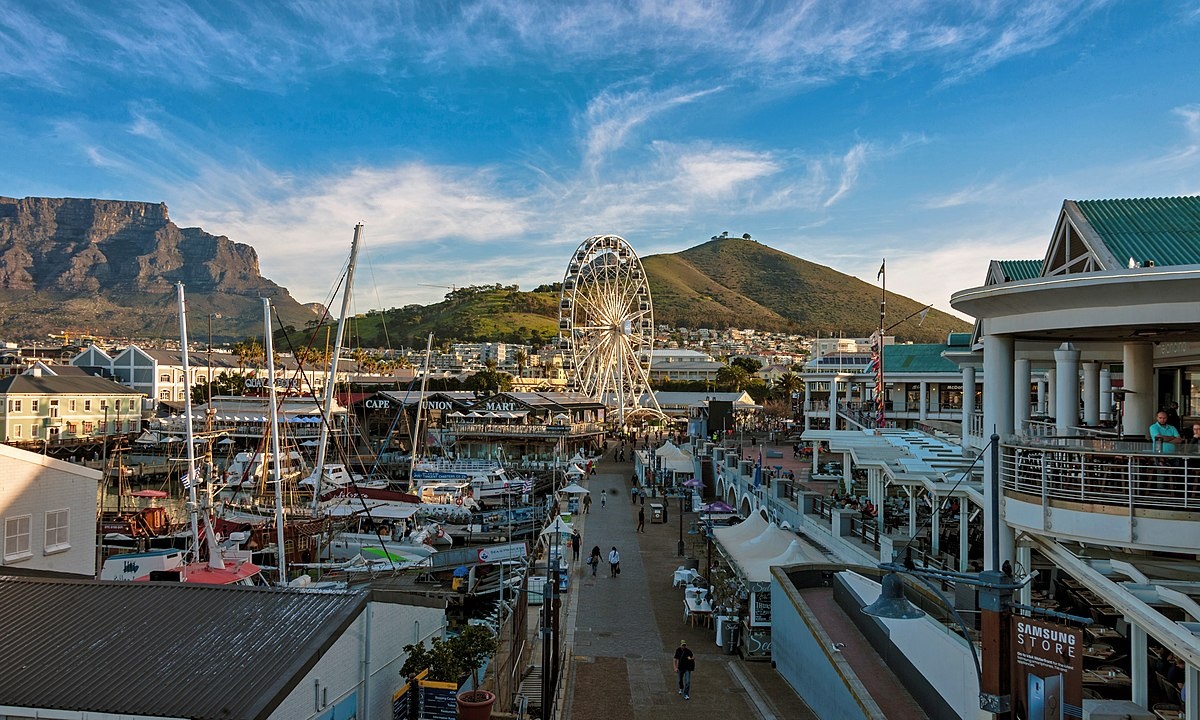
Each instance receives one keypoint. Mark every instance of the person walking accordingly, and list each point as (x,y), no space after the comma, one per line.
(614,562)
(685,663)
(594,559)
(576,541)
(641,520)
(603,498)
(587,503)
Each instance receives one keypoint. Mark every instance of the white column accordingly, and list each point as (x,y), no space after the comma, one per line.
(1021,382)
(963,535)
(1051,389)
(808,407)
(1139,381)
(912,510)
(1191,692)
(924,405)
(1041,396)
(833,402)
(1139,671)
(968,402)
(935,530)
(998,356)
(1066,365)
(1025,558)
(1091,394)
(1106,400)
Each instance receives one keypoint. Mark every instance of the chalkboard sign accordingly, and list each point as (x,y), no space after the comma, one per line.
(760,608)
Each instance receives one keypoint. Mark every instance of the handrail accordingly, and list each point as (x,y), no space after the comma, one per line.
(1106,472)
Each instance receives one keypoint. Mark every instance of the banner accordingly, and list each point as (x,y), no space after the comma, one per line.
(1047,672)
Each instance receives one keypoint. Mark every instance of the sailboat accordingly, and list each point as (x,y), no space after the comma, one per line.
(226,564)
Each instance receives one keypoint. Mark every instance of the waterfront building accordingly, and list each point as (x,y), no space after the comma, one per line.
(49,509)
(683,366)
(41,410)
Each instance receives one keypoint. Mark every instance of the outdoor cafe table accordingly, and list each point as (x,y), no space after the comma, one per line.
(695,608)
(1100,678)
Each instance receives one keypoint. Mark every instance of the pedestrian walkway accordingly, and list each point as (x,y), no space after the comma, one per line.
(621,632)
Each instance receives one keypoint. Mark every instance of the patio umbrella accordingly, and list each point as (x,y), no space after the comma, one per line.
(575,489)
(559,526)
(147,438)
(693,483)
(716,507)
(226,441)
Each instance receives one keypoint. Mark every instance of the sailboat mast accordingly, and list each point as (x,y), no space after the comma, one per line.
(277,472)
(416,438)
(193,507)
(331,381)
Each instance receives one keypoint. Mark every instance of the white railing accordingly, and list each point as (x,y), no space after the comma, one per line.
(1104,472)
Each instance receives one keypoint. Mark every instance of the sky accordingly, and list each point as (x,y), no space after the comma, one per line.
(481,141)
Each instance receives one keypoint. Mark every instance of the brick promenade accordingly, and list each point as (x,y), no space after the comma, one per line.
(622,632)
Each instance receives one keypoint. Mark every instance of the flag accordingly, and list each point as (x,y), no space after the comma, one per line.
(186,480)
(880,273)
(527,485)
(923,314)
(758,469)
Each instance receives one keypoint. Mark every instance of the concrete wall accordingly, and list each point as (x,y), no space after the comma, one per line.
(807,661)
(338,673)
(934,664)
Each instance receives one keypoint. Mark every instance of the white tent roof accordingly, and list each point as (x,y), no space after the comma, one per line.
(574,489)
(770,546)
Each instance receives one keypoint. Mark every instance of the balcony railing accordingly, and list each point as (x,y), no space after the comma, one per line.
(1105,472)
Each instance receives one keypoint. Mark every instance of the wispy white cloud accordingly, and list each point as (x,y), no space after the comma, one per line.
(852,162)
(611,117)
(970,195)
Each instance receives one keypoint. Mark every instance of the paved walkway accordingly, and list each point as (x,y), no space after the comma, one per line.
(621,632)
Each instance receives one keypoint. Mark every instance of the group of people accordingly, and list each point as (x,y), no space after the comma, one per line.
(614,561)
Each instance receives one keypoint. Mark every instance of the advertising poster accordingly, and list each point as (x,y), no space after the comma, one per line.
(1047,673)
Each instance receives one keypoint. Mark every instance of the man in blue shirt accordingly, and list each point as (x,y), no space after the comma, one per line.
(1163,434)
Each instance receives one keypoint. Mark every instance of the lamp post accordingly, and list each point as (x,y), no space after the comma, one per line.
(679,546)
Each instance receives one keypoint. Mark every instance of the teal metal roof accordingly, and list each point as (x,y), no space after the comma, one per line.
(924,358)
(959,340)
(1020,269)
(1165,230)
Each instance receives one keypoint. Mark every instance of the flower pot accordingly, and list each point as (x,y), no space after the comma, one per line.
(475,705)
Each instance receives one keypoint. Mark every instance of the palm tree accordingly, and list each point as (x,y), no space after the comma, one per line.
(521,359)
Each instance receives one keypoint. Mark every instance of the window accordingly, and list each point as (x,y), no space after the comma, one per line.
(53,408)
(16,406)
(73,402)
(131,406)
(72,428)
(164,394)
(17,532)
(35,406)
(104,404)
(164,378)
(87,405)
(17,430)
(88,427)
(58,530)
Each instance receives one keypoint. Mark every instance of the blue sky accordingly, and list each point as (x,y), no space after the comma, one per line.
(481,141)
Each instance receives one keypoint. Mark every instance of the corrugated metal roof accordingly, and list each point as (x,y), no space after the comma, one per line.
(922,358)
(49,384)
(1020,269)
(162,649)
(1165,230)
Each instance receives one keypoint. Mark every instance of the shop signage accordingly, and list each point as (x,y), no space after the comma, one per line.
(496,553)
(286,383)
(760,608)
(1047,673)
(377,404)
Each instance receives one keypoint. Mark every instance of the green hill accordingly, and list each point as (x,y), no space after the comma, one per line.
(728,282)
(735,282)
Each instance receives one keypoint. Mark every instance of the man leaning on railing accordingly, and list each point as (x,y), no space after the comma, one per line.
(1163,435)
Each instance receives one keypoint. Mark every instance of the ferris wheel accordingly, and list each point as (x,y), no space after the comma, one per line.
(606,327)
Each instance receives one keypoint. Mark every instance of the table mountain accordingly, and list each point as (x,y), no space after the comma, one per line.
(109,267)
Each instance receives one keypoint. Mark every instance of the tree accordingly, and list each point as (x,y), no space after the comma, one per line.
(749,364)
(521,359)
(732,378)
(451,659)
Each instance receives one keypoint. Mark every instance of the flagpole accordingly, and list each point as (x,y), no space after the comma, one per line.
(881,394)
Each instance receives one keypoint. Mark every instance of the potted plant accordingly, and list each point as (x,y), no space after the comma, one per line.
(452,660)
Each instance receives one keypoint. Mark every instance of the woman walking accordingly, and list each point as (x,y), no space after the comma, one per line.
(594,559)
(614,562)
